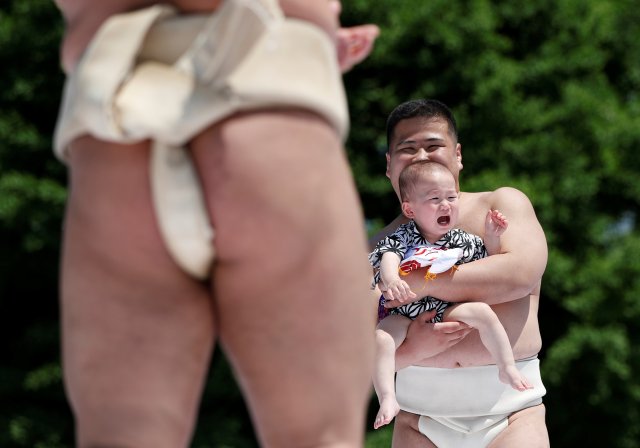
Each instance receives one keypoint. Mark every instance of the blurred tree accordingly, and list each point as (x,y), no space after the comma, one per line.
(546,96)
(33,412)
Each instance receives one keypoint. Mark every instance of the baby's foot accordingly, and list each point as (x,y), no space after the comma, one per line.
(511,375)
(389,408)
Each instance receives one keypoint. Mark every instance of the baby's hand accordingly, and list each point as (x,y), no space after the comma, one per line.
(496,223)
(399,290)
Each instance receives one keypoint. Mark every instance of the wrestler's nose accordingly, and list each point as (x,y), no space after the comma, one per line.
(421,154)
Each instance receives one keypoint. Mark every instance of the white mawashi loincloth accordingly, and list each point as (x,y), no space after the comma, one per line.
(156,75)
(465,407)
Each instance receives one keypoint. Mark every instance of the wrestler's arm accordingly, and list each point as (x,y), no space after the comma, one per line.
(503,277)
(353,44)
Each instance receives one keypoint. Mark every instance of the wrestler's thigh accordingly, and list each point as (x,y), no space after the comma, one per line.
(406,433)
(527,428)
(137,332)
(291,280)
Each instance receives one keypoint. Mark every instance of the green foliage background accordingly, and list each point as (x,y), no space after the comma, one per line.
(547,95)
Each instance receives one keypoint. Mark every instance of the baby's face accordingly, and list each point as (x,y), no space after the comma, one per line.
(433,205)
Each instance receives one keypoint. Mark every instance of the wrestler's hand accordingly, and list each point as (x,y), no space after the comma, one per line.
(354,43)
(425,339)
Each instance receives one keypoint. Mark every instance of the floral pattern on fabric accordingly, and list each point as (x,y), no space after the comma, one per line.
(408,236)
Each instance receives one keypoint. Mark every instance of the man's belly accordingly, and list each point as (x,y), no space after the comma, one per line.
(521,324)
(471,352)
(468,352)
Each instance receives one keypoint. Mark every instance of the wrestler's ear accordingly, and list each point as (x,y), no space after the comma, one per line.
(407,210)
(388,171)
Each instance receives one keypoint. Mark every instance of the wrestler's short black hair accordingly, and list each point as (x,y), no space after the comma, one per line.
(426,108)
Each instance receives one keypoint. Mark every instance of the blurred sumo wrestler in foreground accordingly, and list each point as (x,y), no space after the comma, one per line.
(184,116)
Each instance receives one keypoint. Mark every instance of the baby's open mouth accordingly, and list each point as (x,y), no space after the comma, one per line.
(444,220)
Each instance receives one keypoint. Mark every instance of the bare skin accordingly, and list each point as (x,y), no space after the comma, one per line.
(480,316)
(509,282)
(84,17)
(526,421)
(431,202)
(138,333)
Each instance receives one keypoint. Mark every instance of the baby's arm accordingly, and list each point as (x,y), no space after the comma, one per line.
(395,287)
(495,225)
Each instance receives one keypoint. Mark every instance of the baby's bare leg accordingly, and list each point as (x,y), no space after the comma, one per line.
(390,333)
(291,279)
(480,315)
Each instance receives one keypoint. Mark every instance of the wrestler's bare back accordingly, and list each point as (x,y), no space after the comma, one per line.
(84,17)
(519,317)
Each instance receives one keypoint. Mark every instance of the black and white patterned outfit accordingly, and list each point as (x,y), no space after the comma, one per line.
(408,236)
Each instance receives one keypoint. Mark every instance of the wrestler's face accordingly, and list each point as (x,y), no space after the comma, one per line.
(422,138)
(433,204)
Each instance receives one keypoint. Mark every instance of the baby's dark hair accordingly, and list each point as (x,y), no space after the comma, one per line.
(426,108)
(415,172)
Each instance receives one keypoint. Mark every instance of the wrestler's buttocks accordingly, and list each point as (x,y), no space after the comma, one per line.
(136,82)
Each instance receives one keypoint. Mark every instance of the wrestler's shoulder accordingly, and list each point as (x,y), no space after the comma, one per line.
(502,195)
(509,192)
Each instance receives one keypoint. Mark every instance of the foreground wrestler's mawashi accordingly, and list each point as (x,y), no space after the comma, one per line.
(155,75)
(465,407)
